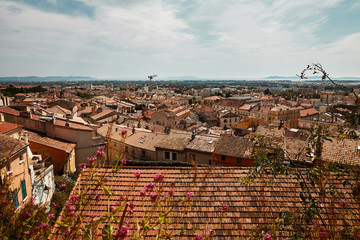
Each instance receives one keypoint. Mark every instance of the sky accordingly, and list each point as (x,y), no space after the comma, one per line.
(175,38)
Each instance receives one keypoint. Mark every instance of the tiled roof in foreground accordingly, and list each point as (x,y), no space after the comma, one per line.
(250,206)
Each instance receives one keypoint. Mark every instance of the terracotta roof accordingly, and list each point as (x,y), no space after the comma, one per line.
(256,205)
(174,141)
(203,144)
(6,127)
(145,140)
(346,151)
(213,98)
(59,110)
(234,146)
(308,112)
(102,114)
(51,142)
(9,110)
(73,125)
(9,146)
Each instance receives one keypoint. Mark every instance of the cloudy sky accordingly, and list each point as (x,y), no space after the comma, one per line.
(172,38)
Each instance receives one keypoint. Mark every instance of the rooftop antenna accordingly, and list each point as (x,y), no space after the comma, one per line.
(150,78)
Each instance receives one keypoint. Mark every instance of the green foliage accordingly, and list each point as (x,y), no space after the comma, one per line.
(11,90)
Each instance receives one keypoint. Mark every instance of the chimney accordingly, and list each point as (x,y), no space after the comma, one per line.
(193,135)
(26,137)
(53,119)
(133,129)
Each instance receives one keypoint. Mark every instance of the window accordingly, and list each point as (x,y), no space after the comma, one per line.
(174,156)
(209,162)
(40,192)
(167,155)
(230,120)
(235,119)
(222,157)
(238,160)
(143,154)
(23,189)
(15,198)
(225,120)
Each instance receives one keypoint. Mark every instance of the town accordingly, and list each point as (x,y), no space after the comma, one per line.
(51,130)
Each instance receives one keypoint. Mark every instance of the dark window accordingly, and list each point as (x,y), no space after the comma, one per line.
(143,153)
(167,155)
(15,198)
(225,121)
(174,156)
(222,157)
(238,160)
(23,189)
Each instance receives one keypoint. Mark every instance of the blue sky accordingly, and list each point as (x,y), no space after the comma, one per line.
(202,38)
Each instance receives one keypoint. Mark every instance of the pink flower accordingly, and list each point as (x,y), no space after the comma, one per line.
(150,186)
(357,236)
(142,192)
(74,197)
(105,179)
(63,186)
(158,177)
(26,215)
(122,232)
(324,235)
(123,161)
(267,236)
(97,197)
(225,207)
(44,225)
(91,160)
(93,215)
(344,203)
(27,233)
(2,192)
(137,174)
(51,216)
(99,153)
(82,166)
(131,211)
(5,202)
(53,204)
(153,196)
(198,237)
(173,183)
(112,208)
(123,132)
(101,148)
(189,194)
(171,192)
(131,205)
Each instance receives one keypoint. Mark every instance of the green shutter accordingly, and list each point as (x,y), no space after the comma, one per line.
(15,198)
(23,189)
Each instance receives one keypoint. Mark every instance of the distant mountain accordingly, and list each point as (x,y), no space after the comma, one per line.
(316,77)
(48,78)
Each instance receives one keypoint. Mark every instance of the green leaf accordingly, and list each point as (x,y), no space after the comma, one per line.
(99,219)
(106,190)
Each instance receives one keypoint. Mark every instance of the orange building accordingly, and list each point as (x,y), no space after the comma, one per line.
(14,164)
(232,151)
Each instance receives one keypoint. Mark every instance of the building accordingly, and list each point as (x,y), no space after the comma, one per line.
(228,119)
(200,149)
(172,147)
(61,153)
(285,116)
(233,151)
(14,165)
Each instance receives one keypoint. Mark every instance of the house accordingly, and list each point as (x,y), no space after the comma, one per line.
(14,164)
(257,205)
(11,129)
(62,153)
(233,151)
(172,147)
(164,119)
(200,149)
(107,115)
(228,119)
(83,135)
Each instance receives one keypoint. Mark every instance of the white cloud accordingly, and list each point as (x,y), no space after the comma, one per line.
(213,38)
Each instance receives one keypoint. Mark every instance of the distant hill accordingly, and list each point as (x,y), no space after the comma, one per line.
(316,77)
(48,78)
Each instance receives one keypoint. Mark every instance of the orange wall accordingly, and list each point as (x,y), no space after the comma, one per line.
(58,157)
